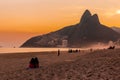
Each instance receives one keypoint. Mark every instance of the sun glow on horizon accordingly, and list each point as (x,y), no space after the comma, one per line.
(38,17)
(118,11)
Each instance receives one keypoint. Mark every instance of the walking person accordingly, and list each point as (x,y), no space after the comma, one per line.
(58,52)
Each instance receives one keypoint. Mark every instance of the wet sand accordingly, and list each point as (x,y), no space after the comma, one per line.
(95,65)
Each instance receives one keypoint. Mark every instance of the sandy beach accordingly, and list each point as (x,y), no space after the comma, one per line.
(85,65)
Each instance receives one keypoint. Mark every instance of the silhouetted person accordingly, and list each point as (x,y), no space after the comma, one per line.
(76,50)
(91,50)
(58,52)
(111,47)
(31,63)
(36,63)
(70,51)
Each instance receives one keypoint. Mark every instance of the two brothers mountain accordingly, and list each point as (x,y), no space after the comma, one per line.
(88,31)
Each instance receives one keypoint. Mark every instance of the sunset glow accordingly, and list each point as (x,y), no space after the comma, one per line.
(118,12)
(43,16)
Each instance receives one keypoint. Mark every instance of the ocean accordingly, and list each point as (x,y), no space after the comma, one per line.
(20,50)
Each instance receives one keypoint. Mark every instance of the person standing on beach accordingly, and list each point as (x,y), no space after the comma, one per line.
(58,52)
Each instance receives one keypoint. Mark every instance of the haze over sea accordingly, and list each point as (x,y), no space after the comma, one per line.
(21,50)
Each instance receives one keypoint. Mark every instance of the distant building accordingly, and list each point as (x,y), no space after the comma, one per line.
(64,43)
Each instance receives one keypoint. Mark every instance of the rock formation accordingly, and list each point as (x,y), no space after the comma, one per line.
(88,31)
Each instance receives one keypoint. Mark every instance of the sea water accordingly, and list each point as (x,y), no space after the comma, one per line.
(20,50)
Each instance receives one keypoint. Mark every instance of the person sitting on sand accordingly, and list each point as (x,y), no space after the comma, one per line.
(36,65)
(31,63)
(111,47)
(70,51)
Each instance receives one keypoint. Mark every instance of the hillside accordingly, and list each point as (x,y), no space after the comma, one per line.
(88,31)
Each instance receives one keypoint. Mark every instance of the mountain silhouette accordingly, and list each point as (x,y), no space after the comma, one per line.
(88,31)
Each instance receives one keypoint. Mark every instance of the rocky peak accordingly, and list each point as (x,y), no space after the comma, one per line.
(95,18)
(87,32)
(89,19)
(85,16)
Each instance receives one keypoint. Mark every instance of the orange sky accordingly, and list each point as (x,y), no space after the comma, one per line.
(42,16)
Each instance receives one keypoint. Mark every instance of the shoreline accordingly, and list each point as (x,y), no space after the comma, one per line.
(26,50)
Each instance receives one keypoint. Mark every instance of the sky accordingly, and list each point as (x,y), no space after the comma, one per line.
(22,19)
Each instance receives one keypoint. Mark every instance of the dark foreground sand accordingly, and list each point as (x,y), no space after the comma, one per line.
(96,65)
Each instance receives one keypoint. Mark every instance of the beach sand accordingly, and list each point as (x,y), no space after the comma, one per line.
(85,65)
